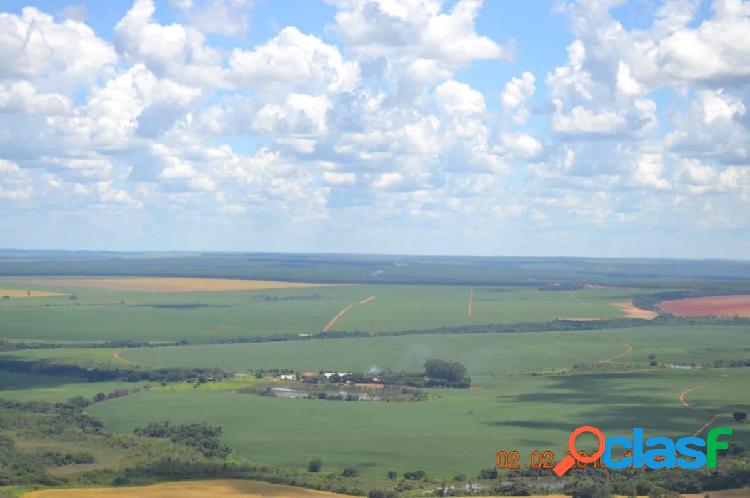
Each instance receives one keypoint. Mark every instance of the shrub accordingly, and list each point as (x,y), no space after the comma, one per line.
(315,465)
(417,475)
(490,473)
(377,493)
(350,472)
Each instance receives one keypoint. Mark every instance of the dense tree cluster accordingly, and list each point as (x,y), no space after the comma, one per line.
(448,371)
(94,374)
(204,438)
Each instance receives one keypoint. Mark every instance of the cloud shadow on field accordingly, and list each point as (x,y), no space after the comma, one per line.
(20,381)
(616,402)
(528,424)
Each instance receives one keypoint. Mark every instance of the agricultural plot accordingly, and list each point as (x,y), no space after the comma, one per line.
(710,305)
(39,387)
(481,353)
(419,307)
(107,315)
(156,284)
(22,293)
(188,489)
(104,313)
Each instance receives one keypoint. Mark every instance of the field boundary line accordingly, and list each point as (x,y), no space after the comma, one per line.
(345,311)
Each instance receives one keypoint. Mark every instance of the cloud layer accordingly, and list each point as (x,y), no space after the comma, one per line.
(371,134)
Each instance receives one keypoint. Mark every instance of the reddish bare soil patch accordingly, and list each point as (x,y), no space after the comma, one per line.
(709,305)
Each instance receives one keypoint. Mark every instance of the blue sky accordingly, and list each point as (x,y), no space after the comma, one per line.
(575,127)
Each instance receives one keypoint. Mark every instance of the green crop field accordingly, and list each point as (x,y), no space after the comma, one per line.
(419,307)
(481,353)
(520,402)
(39,387)
(109,315)
(106,315)
(454,431)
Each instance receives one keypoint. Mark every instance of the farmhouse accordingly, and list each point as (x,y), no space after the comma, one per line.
(328,375)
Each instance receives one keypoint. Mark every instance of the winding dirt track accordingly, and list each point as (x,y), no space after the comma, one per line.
(471,303)
(686,404)
(117,356)
(707,424)
(628,350)
(345,311)
(686,392)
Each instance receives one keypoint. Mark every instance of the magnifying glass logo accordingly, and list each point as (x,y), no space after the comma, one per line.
(570,459)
